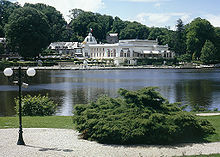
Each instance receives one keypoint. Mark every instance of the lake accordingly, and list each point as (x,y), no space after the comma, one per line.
(195,87)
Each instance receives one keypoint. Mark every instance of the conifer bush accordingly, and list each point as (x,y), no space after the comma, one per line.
(138,117)
(36,105)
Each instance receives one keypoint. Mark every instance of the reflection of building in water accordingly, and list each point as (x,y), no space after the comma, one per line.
(119,51)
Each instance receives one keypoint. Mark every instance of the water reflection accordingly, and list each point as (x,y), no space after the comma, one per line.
(193,87)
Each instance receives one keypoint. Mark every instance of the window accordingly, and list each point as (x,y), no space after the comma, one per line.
(108,52)
(128,53)
(114,53)
(121,53)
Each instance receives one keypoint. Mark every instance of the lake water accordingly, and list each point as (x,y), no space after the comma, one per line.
(69,87)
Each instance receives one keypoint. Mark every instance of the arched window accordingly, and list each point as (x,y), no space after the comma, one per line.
(128,53)
(121,53)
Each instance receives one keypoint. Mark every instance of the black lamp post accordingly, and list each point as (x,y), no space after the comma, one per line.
(18,77)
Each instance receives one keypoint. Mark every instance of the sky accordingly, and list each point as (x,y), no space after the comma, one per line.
(157,13)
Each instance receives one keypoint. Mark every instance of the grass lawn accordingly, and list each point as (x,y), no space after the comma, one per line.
(215,120)
(63,122)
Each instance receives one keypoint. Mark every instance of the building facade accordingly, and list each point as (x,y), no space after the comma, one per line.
(129,50)
(67,48)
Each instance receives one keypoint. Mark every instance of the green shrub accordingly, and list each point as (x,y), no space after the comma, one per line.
(36,106)
(138,117)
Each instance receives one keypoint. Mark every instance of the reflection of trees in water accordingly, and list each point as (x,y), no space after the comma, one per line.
(199,93)
(86,95)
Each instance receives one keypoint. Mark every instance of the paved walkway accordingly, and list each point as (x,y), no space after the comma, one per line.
(208,114)
(65,142)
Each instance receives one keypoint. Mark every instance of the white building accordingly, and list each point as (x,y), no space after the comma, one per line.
(128,50)
(67,48)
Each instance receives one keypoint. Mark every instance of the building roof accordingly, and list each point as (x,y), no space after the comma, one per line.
(90,39)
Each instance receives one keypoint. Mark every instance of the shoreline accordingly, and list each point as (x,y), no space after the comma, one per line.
(117,68)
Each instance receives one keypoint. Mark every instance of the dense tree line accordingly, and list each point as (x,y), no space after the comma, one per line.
(189,41)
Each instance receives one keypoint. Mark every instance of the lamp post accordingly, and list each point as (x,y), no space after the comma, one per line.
(18,79)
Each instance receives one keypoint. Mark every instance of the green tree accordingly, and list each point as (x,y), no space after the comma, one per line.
(6,8)
(80,24)
(2,49)
(180,38)
(55,20)
(128,33)
(97,30)
(27,31)
(1,32)
(209,53)
(134,30)
(74,13)
(217,40)
(118,25)
(198,31)
(155,32)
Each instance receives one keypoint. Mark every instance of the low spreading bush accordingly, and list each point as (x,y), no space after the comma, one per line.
(36,106)
(138,117)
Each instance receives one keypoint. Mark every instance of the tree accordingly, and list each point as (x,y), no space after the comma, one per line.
(55,20)
(198,31)
(27,31)
(155,32)
(134,30)
(6,8)
(118,25)
(2,49)
(74,13)
(1,32)
(209,53)
(180,38)
(97,30)
(80,25)
(101,24)
(217,39)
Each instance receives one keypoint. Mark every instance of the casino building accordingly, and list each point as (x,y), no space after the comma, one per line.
(125,49)
(119,51)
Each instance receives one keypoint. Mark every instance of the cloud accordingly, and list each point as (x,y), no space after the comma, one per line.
(65,5)
(157,5)
(162,19)
(213,19)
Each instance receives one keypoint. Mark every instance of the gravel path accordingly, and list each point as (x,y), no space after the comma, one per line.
(64,142)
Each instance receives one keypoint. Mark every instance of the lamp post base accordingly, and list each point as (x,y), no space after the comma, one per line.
(20,139)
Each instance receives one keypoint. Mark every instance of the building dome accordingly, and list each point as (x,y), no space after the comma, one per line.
(90,39)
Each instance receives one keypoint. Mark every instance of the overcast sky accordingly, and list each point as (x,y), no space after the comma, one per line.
(158,13)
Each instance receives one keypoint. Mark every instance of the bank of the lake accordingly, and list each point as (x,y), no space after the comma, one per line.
(82,67)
